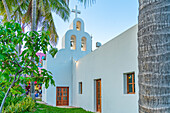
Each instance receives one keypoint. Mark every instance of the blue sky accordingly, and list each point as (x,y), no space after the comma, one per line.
(103,20)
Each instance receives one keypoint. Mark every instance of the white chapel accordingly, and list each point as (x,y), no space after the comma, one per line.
(104,80)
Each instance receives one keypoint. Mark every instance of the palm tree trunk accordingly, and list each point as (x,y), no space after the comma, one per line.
(33,28)
(154,56)
(7,10)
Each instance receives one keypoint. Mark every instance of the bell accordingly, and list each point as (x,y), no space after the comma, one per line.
(81,45)
(71,43)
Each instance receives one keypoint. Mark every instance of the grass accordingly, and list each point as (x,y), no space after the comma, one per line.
(41,108)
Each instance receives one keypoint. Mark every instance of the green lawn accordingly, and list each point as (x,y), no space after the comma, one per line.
(41,108)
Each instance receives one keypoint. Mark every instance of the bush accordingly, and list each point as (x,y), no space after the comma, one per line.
(11,99)
(27,104)
(14,96)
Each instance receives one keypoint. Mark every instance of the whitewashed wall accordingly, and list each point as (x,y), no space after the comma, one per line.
(61,65)
(109,63)
(43,86)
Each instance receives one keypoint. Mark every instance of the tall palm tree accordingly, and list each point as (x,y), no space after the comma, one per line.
(44,19)
(6,9)
(13,9)
(154,56)
(33,28)
(21,11)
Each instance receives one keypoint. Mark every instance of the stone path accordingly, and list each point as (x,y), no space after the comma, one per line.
(41,102)
(67,107)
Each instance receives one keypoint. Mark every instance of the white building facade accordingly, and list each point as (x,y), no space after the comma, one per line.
(104,80)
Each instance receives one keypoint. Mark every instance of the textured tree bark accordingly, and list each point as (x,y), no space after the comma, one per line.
(33,24)
(154,56)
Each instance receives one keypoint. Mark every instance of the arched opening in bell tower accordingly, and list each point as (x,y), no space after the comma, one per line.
(78,25)
(83,44)
(73,42)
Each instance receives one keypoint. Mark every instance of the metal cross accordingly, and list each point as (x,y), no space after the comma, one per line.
(76,11)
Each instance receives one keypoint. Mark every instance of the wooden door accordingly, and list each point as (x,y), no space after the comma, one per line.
(98,95)
(62,96)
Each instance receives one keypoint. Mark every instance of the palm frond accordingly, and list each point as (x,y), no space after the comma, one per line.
(87,2)
(60,7)
(53,51)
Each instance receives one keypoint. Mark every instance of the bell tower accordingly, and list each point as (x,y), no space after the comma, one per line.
(76,44)
(76,39)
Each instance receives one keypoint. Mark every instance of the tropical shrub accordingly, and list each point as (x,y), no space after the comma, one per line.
(25,105)
(13,97)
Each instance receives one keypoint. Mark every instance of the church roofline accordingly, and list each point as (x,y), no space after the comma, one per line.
(118,36)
